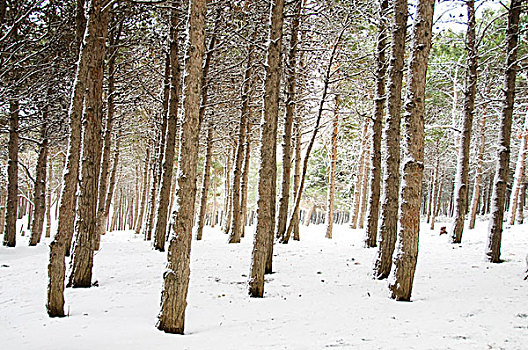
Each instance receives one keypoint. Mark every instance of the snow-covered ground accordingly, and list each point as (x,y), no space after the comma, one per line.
(322,295)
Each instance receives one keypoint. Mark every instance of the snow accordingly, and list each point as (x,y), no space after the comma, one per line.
(322,295)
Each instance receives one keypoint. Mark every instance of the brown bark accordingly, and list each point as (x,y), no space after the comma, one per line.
(377,119)
(297,178)
(391,145)
(461,182)
(288,123)
(519,176)
(503,150)
(171,318)
(245,180)
(162,206)
(364,184)
(435,193)
(235,231)
(12,177)
(411,191)
(477,188)
(48,200)
(263,241)
(139,221)
(82,260)
(205,181)
(358,186)
(112,183)
(39,191)
(332,173)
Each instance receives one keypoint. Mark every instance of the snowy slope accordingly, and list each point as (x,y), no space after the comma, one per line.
(321,296)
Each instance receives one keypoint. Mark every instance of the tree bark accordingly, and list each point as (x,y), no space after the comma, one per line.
(39,192)
(391,145)
(411,191)
(503,151)
(139,221)
(477,188)
(288,122)
(296,178)
(245,179)
(377,119)
(358,186)
(12,176)
(518,178)
(82,260)
(461,181)
(332,174)
(162,206)
(48,199)
(364,184)
(263,241)
(171,318)
(205,181)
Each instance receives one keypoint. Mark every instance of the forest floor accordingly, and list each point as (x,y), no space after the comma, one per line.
(321,295)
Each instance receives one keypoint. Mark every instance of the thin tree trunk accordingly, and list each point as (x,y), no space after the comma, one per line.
(205,181)
(461,182)
(379,105)
(435,193)
(111,186)
(245,180)
(364,184)
(391,145)
(48,200)
(297,179)
(518,178)
(503,149)
(477,189)
(39,194)
(11,211)
(263,241)
(358,187)
(171,318)
(139,221)
(162,206)
(82,260)
(288,123)
(332,174)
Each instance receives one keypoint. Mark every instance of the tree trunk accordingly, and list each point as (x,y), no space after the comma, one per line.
(477,189)
(332,174)
(297,178)
(205,181)
(245,180)
(411,191)
(12,176)
(235,231)
(503,149)
(48,200)
(518,178)
(263,241)
(461,182)
(227,192)
(391,145)
(288,123)
(162,207)
(39,194)
(379,105)
(364,188)
(139,221)
(435,193)
(171,318)
(82,260)
(358,186)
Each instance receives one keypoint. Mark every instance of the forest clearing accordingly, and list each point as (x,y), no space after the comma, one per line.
(321,296)
(263,174)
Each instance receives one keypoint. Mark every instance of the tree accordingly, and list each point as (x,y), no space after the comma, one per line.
(503,151)
(411,191)
(171,318)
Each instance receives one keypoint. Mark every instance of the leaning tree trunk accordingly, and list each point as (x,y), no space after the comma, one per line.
(82,260)
(162,206)
(263,241)
(411,191)
(296,179)
(461,181)
(391,145)
(12,177)
(288,122)
(171,318)
(503,150)
(62,240)
(477,188)
(379,106)
(205,181)
(235,231)
(39,193)
(518,178)
(332,174)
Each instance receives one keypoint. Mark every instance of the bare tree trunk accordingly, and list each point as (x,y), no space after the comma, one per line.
(171,318)
(139,221)
(379,105)
(213,210)
(358,186)
(235,230)
(12,176)
(391,145)
(503,150)
(461,182)
(263,241)
(436,182)
(297,178)
(162,206)
(155,175)
(245,179)
(82,260)
(227,193)
(520,205)
(39,194)
(518,178)
(364,184)
(411,191)
(48,200)
(479,172)
(332,175)
(205,181)
(112,184)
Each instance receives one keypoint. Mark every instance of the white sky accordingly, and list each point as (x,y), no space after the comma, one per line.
(453,14)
